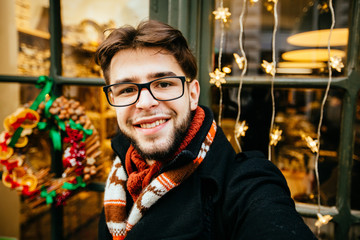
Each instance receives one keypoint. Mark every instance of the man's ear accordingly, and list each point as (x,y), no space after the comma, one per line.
(194,93)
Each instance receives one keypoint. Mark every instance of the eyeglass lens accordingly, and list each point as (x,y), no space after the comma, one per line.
(162,89)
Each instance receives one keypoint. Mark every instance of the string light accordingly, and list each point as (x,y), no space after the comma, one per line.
(217,77)
(239,60)
(240,129)
(336,63)
(322,113)
(312,144)
(222,14)
(269,68)
(275,136)
(322,220)
(323,7)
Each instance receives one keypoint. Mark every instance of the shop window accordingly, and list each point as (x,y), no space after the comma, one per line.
(297,116)
(26,54)
(301,39)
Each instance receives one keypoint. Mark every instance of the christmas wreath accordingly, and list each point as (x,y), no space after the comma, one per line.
(71,133)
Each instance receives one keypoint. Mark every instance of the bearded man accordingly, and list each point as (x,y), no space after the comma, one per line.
(176,176)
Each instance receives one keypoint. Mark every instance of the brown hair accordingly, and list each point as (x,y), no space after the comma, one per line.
(149,33)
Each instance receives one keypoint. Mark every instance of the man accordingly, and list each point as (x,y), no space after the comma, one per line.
(175,175)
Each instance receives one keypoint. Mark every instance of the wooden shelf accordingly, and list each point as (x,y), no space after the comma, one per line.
(46,35)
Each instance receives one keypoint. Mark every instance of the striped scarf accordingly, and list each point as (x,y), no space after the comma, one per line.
(119,224)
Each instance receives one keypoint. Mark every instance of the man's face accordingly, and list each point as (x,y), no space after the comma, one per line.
(153,127)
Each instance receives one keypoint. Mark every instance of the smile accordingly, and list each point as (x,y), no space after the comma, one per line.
(152,125)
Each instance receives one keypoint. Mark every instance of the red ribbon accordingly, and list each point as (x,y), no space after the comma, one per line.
(9,165)
(28,193)
(3,144)
(21,120)
(74,135)
(13,183)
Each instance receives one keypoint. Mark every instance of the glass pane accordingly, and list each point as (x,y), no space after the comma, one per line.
(79,222)
(24,38)
(297,115)
(301,37)
(84,23)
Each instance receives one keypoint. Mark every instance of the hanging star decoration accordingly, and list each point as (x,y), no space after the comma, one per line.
(323,7)
(217,77)
(336,63)
(322,220)
(222,14)
(311,143)
(275,136)
(239,60)
(240,129)
(269,68)
(269,5)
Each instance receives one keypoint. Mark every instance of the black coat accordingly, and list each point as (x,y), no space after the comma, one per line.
(229,196)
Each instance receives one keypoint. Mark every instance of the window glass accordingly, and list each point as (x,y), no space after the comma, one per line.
(297,116)
(84,23)
(301,37)
(24,47)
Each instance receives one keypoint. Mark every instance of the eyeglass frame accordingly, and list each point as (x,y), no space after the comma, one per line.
(141,86)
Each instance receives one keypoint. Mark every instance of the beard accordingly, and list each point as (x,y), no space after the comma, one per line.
(173,143)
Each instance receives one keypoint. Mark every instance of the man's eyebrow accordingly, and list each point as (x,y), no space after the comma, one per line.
(124,80)
(161,74)
(149,76)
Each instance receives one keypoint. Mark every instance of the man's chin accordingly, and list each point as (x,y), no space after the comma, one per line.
(158,150)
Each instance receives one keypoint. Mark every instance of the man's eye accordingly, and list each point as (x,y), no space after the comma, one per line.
(125,90)
(164,84)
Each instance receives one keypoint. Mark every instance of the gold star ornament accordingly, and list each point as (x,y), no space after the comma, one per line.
(311,143)
(322,220)
(336,63)
(217,77)
(275,136)
(240,129)
(269,68)
(222,14)
(239,60)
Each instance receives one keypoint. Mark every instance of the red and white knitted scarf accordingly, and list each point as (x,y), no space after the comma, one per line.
(119,224)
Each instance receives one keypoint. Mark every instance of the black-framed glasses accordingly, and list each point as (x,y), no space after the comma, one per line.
(161,89)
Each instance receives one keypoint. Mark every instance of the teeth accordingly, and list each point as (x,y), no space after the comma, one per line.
(152,125)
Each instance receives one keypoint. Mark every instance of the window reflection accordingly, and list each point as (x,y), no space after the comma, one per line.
(84,23)
(297,115)
(301,38)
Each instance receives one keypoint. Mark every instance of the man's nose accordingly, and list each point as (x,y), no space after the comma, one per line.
(146,100)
